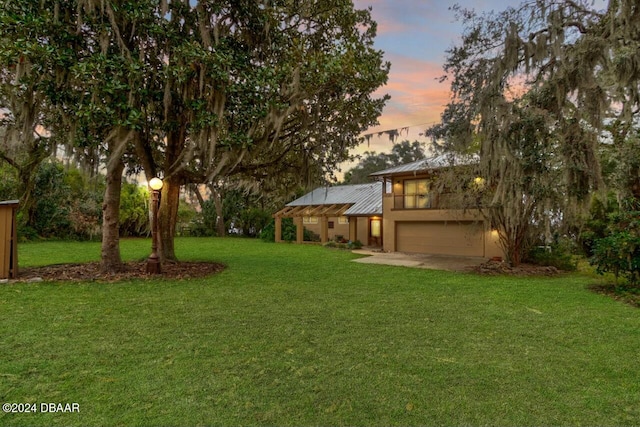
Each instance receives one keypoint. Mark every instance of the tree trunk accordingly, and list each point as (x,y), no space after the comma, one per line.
(27,171)
(111,261)
(170,197)
(513,240)
(195,190)
(217,201)
(27,178)
(168,217)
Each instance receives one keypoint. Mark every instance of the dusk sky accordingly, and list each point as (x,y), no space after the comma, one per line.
(414,34)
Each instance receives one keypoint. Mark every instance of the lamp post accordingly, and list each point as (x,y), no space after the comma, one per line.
(153,262)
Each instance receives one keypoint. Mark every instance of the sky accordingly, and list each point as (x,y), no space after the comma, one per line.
(414,35)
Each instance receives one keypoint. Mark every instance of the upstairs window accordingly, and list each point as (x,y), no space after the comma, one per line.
(416,194)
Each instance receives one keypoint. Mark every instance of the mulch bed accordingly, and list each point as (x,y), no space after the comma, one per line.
(494,268)
(132,270)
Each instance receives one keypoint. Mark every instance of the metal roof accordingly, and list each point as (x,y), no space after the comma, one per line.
(366,199)
(430,163)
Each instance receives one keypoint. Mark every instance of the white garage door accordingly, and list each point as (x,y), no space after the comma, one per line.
(442,238)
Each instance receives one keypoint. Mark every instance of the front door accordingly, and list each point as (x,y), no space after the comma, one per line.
(375,232)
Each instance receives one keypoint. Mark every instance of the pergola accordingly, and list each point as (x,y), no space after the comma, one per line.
(324,212)
(352,201)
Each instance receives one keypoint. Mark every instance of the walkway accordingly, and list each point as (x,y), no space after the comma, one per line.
(432,262)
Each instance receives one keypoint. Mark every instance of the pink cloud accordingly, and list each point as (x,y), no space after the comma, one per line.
(415,34)
(416,94)
(417,100)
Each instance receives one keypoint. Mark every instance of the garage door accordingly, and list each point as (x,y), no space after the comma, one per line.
(442,238)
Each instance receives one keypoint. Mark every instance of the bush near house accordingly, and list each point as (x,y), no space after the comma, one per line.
(344,245)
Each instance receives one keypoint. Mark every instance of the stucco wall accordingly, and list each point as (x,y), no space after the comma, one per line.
(337,230)
(362,224)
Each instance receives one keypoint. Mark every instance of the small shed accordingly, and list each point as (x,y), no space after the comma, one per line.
(8,240)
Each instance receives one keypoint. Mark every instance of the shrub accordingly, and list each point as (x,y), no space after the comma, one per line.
(186,218)
(86,218)
(52,195)
(559,255)
(198,228)
(596,226)
(134,210)
(268,233)
(253,220)
(339,245)
(8,182)
(26,233)
(619,252)
(203,223)
(289,232)
(85,209)
(310,236)
(66,204)
(355,245)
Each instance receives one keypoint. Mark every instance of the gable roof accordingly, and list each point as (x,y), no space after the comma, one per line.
(365,199)
(430,163)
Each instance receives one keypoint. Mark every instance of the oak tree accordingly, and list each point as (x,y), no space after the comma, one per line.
(532,89)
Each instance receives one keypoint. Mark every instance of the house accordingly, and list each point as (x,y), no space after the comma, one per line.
(407,210)
(351,211)
(420,217)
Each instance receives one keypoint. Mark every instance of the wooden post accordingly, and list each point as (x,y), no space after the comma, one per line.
(299,229)
(278,229)
(353,228)
(324,229)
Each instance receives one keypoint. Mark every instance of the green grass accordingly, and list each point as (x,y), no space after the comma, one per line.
(298,335)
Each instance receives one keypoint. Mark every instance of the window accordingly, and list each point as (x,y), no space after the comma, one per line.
(310,220)
(376,227)
(416,194)
(331,224)
(343,220)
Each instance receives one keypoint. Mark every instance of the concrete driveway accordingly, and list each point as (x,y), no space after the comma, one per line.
(432,262)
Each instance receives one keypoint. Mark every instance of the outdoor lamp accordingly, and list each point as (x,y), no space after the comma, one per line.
(155,184)
(153,262)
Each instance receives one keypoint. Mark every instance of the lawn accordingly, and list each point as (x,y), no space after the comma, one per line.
(298,335)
